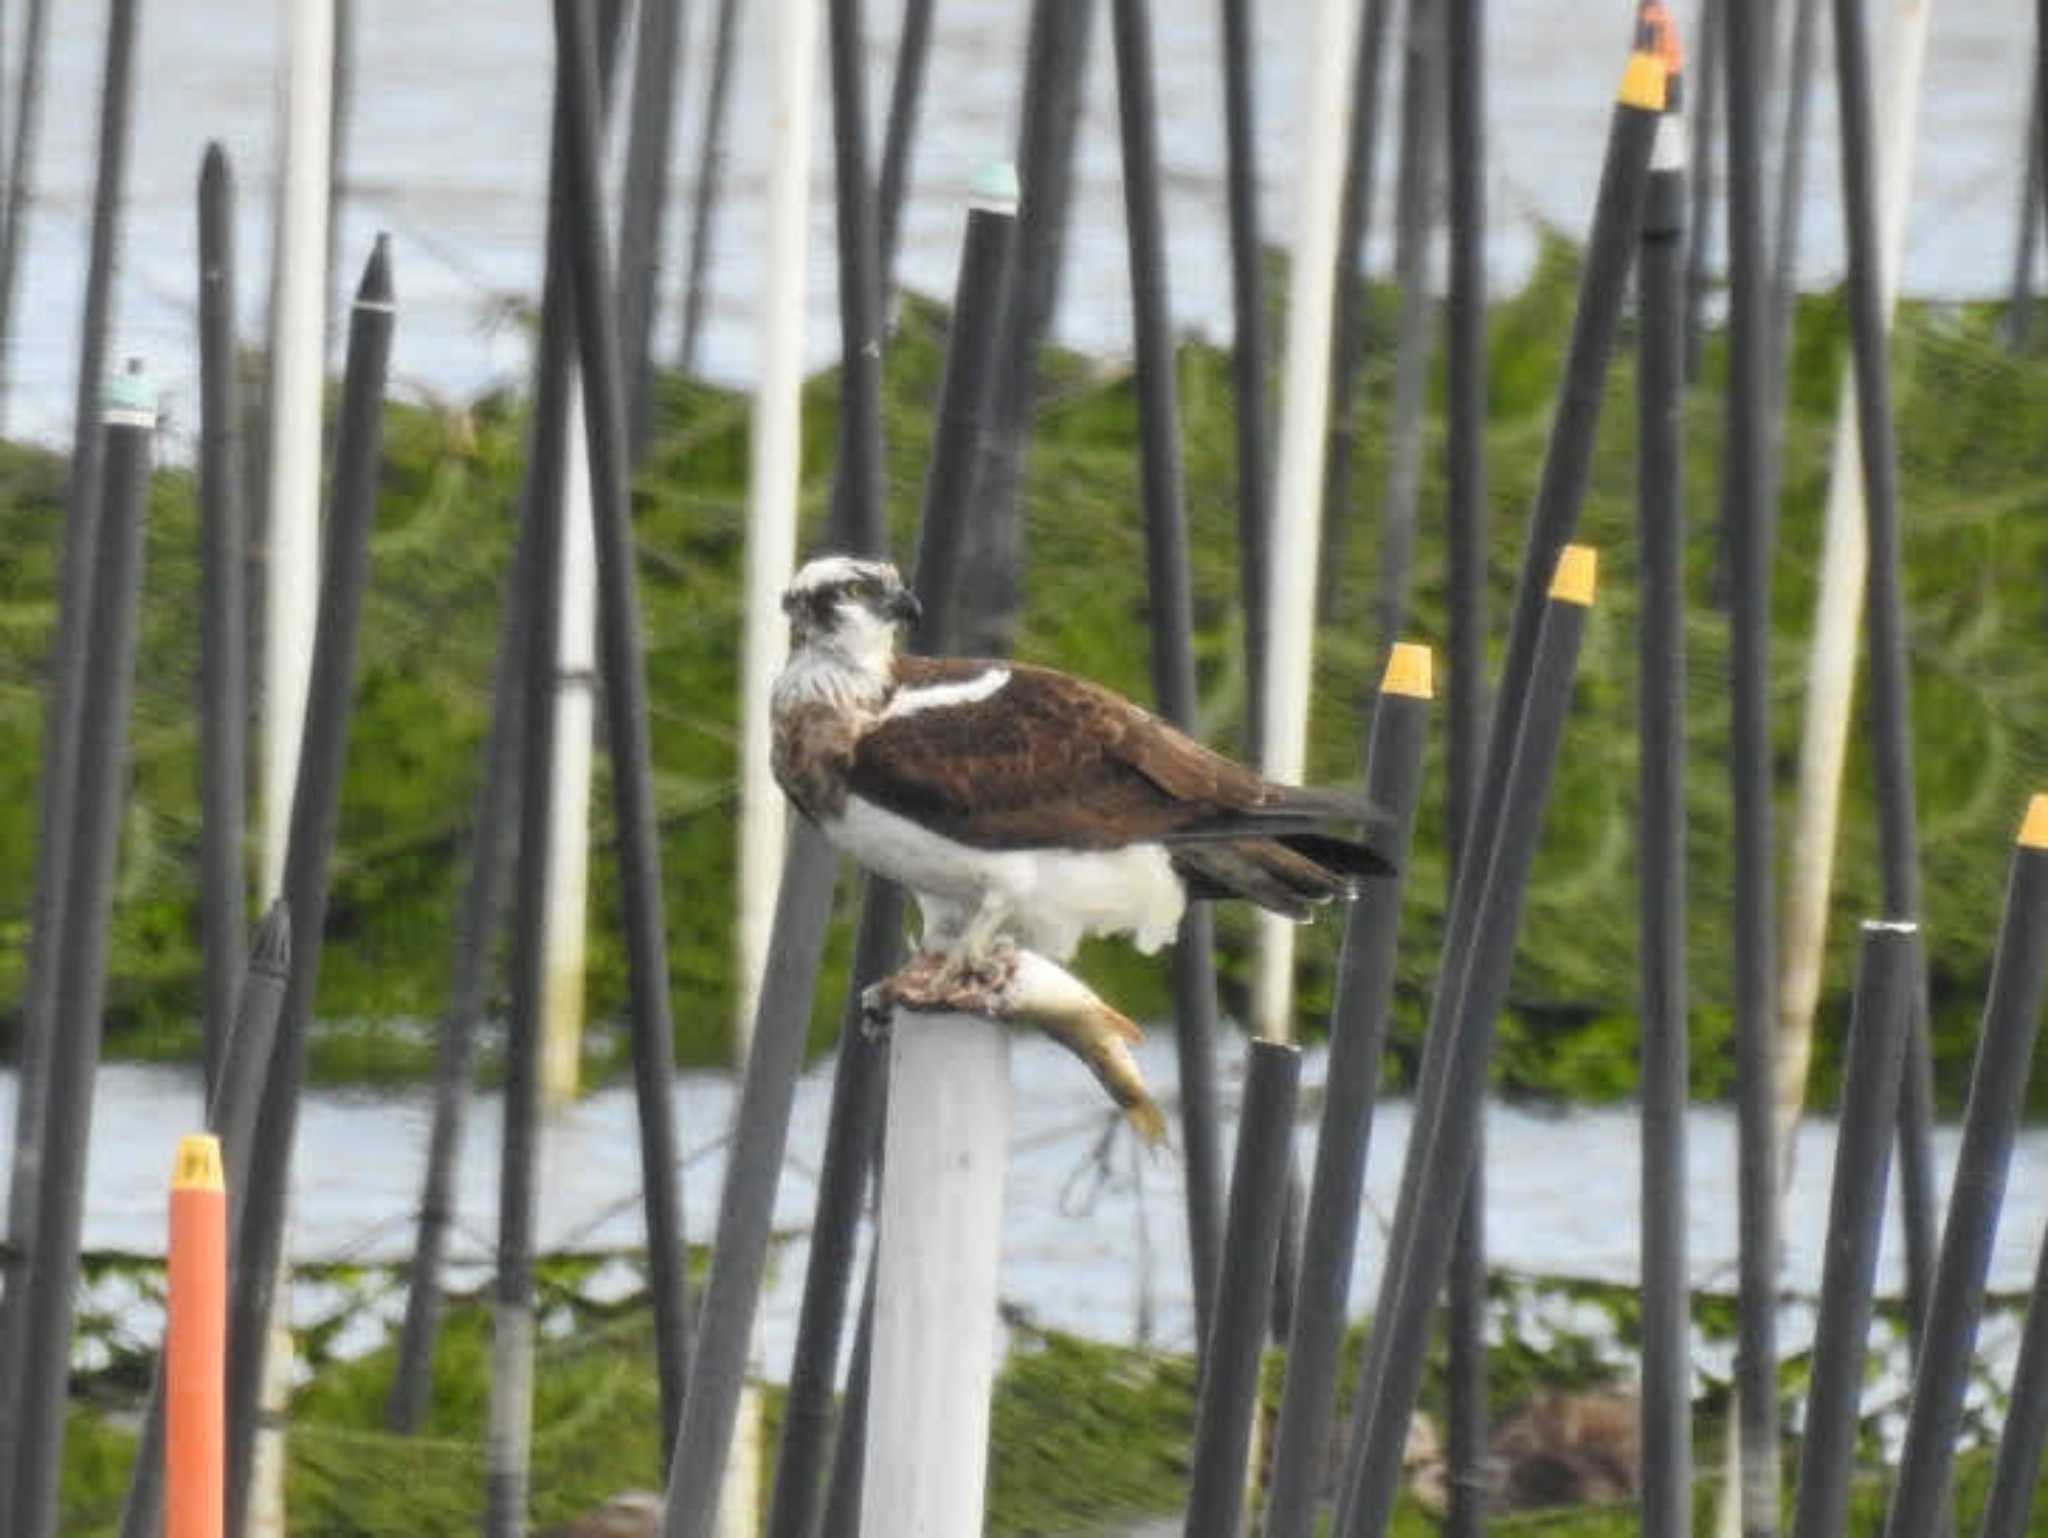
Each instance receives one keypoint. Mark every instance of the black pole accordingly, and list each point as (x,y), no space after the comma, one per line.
(1248,351)
(316,796)
(1358,1033)
(1666,1404)
(1422,139)
(1348,335)
(1888,972)
(477,925)
(657,65)
(993,540)
(21,173)
(1706,135)
(340,112)
(1884,610)
(1749,521)
(223,639)
(2024,1441)
(725,1321)
(964,414)
(858,508)
(506,1471)
(1171,597)
(625,695)
(2012,1015)
(2019,314)
(1791,195)
(849,1451)
(64,707)
(1603,285)
(710,176)
(1463,77)
(1442,1148)
(232,1108)
(1230,1372)
(854,1123)
(47,1307)
(913,50)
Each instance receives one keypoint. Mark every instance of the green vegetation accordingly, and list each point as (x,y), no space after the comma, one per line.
(1976,488)
(1083,1436)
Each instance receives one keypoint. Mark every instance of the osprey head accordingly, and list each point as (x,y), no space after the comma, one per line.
(847,603)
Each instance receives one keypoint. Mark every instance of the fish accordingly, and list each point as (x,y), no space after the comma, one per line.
(1024,988)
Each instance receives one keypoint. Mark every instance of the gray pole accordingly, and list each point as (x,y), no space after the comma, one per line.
(1442,1147)
(2012,1016)
(1248,351)
(2024,1442)
(1750,525)
(657,64)
(1463,75)
(65,706)
(1887,974)
(316,797)
(21,174)
(913,50)
(2019,314)
(1171,605)
(625,694)
(223,634)
(47,1307)
(993,540)
(1666,1404)
(1884,614)
(492,828)
(1706,134)
(506,1470)
(710,175)
(858,507)
(1358,1034)
(725,1321)
(1422,138)
(1354,221)
(1230,1373)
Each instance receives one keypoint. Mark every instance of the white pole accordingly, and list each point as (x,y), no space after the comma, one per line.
(565,925)
(1838,607)
(772,486)
(939,1240)
(1298,485)
(297,375)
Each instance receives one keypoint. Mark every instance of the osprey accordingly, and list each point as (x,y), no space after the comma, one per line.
(1022,806)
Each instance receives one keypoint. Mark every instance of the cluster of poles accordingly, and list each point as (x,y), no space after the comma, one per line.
(905,1443)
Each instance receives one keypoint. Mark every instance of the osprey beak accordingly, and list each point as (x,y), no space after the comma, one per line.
(903,606)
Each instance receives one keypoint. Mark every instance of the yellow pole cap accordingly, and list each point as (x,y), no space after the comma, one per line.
(2034,826)
(197,1167)
(1577,572)
(1408,671)
(1642,82)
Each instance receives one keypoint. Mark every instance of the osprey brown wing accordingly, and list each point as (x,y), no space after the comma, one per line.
(1046,761)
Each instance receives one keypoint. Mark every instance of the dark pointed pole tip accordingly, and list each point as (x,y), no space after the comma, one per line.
(214,166)
(375,289)
(272,951)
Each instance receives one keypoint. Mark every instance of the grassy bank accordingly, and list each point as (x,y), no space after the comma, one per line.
(1083,1437)
(1976,491)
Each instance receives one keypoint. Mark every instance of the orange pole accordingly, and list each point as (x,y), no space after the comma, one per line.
(196,1345)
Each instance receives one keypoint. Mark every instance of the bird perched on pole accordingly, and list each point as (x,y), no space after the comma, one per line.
(1026,809)
(1024,806)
